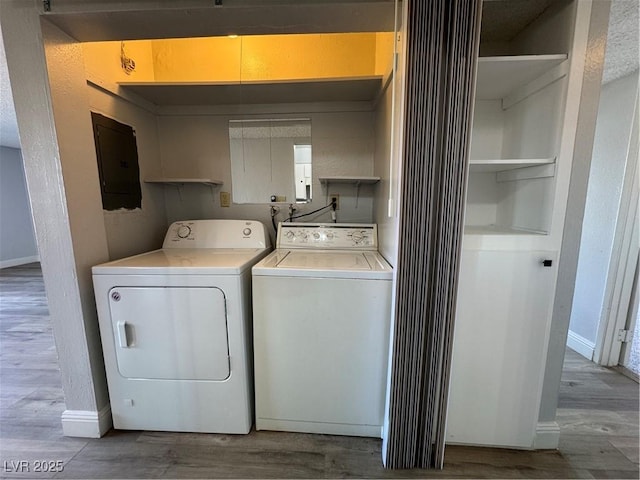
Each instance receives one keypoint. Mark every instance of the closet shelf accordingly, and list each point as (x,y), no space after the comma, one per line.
(499,230)
(505,164)
(184,181)
(499,76)
(353,180)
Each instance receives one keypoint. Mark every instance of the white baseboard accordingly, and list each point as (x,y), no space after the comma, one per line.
(581,345)
(547,436)
(86,423)
(14,262)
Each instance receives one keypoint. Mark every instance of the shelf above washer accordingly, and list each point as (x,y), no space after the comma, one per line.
(349,89)
(363,180)
(184,181)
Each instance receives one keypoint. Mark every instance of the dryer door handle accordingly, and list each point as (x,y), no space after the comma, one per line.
(123,341)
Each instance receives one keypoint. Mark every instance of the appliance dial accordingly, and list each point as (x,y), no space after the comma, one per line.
(289,234)
(303,235)
(316,235)
(329,235)
(357,236)
(184,231)
(246,232)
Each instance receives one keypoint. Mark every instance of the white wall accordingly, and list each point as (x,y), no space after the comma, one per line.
(611,143)
(383,167)
(141,229)
(198,146)
(17,238)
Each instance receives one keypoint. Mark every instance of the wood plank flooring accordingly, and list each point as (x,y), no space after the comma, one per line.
(598,415)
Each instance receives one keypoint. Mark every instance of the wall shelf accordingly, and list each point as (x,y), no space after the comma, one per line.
(349,180)
(184,181)
(363,180)
(354,89)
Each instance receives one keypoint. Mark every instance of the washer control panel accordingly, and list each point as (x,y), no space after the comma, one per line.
(327,236)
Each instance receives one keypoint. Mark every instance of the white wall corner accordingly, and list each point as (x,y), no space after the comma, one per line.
(14,262)
(581,345)
(86,423)
(547,436)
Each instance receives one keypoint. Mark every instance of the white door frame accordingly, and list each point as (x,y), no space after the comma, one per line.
(632,319)
(623,260)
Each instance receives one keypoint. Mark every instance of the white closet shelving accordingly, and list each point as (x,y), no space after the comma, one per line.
(520,163)
(498,77)
(505,164)
(518,114)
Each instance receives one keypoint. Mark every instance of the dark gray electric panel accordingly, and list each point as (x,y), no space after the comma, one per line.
(117,154)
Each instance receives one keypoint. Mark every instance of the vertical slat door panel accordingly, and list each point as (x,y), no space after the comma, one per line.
(442,43)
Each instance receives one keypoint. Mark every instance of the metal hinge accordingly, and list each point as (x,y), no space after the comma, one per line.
(625,336)
(46,4)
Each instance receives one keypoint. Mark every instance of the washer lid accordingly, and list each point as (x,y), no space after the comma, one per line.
(325,261)
(184,261)
(324,264)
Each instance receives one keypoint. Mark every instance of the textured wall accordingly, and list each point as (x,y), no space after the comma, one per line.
(142,229)
(62,177)
(17,239)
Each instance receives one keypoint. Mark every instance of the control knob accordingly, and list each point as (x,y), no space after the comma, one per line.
(246,232)
(357,236)
(316,235)
(184,231)
(289,234)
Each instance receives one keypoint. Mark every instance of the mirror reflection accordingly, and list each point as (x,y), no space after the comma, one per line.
(271,160)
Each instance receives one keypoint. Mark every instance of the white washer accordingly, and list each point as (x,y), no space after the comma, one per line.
(322,308)
(176,329)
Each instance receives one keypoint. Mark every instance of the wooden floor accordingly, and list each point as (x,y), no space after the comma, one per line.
(598,415)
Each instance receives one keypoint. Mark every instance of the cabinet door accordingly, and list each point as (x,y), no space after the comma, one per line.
(501,333)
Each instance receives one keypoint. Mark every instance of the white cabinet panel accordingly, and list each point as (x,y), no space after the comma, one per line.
(501,335)
(170,333)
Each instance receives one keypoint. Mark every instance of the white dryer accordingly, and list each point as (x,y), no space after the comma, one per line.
(176,329)
(322,309)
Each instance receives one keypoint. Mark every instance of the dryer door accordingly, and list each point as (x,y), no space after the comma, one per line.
(172,333)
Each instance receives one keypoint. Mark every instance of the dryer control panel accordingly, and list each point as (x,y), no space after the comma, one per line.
(328,236)
(216,234)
